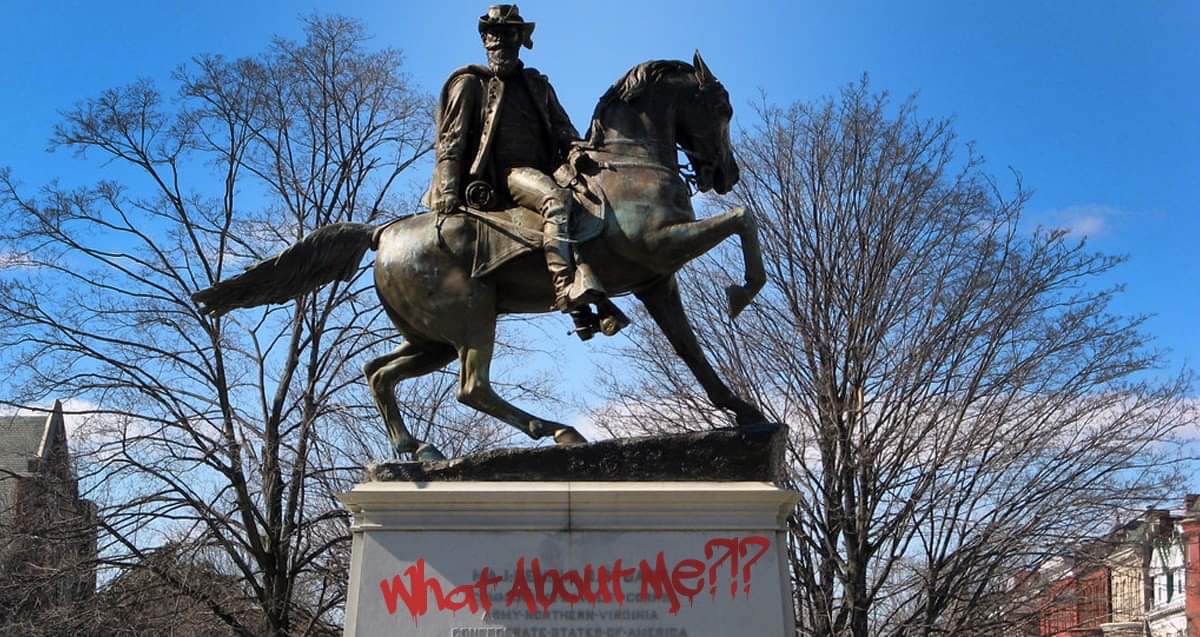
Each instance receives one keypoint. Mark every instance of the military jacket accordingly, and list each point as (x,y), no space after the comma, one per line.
(468,117)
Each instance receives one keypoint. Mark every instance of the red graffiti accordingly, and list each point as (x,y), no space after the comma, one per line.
(416,595)
(538,588)
(763,544)
(730,546)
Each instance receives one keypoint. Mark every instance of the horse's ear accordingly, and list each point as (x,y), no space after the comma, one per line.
(703,75)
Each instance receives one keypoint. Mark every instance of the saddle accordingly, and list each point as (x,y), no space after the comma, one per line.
(503,235)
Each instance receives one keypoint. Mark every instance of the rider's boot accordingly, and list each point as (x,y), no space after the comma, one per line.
(573,287)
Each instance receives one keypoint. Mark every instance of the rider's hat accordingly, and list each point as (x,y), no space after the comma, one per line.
(506,16)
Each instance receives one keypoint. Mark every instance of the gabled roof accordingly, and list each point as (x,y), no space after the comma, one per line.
(25,438)
(21,440)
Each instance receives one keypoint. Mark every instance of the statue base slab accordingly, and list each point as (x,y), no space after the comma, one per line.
(753,453)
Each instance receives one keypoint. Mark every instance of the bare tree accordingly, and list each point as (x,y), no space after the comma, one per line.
(223,437)
(961,401)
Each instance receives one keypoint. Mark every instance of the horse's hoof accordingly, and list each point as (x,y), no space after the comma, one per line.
(744,413)
(610,325)
(614,321)
(568,436)
(738,299)
(428,453)
(748,415)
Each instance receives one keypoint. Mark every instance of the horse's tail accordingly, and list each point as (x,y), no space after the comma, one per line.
(329,253)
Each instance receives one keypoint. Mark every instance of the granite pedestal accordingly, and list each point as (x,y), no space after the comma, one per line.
(441,550)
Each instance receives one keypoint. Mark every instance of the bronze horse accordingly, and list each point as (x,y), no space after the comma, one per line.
(423,266)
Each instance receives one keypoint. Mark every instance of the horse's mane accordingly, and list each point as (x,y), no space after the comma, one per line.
(630,87)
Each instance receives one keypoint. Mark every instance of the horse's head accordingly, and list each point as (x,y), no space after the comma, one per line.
(661,103)
(702,130)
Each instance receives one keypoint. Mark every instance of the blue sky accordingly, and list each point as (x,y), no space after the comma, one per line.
(1097,104)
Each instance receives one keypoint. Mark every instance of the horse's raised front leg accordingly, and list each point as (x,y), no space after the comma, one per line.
(407,361)
(666,308)
(475,385)
(682,242)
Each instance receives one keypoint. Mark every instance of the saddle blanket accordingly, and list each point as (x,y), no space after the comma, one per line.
(503,235)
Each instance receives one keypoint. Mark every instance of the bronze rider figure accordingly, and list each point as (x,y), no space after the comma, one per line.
(501,133)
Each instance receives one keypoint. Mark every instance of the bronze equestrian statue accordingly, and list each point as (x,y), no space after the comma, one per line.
(444,277)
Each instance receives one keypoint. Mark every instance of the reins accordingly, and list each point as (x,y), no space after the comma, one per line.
(684,171)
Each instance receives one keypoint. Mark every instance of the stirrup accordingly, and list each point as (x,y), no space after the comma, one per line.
(586,323)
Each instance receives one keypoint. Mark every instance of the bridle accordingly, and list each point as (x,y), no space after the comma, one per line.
(685,171)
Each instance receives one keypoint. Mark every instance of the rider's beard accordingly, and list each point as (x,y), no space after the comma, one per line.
(504,61)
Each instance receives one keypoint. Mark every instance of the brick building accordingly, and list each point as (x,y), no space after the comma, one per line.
(1140,580)
(1075,599)
(47,532)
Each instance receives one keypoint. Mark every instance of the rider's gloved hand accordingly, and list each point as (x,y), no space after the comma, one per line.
(574,154)
(447,205)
